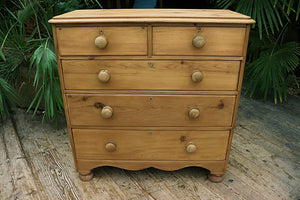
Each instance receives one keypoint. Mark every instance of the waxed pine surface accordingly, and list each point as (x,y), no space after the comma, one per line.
(36,162)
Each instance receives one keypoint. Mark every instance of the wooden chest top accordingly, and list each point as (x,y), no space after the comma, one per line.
(153,15)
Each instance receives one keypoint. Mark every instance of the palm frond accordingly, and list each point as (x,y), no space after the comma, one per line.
(267,75)
(268,16)
(225,4)
(8,97)
(26,40)
(289,6)
(46,80)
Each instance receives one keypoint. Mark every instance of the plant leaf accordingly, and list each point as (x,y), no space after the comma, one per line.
(269,71)
(2,55)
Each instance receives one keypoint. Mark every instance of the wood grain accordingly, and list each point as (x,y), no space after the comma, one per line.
(171,92)
(178,183)
(47,167)
(219,41)
(150,145)
(240,81)
(151,74)
(109,57)
(61,80)
(151,110)
(167,165)
(6,184)
(15,174)
(153,15)
(153,20)
(121,40)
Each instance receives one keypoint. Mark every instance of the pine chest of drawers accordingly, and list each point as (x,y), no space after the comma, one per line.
(151,88)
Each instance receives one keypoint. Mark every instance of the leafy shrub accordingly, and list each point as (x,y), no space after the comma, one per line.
(26,41)
(271,57)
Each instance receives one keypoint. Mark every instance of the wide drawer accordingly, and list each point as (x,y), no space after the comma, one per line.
(219,41)
(152,75)
(120,40)
(150,145)
(150,110)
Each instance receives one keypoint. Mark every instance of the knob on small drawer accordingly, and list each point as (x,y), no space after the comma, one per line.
(198,42)
(104,76)
(197,76)
(101,41)
(107,112)
(110,147)
(194,113)
(191,147)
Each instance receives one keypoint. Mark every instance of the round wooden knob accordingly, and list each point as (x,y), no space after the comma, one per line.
(101,42)
(104,76)
(198,41)
(194,113)
(197,76)
(107,112)
(110,147)
(191,147)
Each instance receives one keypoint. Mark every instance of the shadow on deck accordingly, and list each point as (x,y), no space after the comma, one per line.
(36,162)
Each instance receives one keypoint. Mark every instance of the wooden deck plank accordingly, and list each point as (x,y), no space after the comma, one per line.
(285,170)
(223,190)
(260,179)
(129,186)
(179,183)
(17,173)
(53,180)
(277,124)
(148,183)
(270,144)
(6,184)
(230,183)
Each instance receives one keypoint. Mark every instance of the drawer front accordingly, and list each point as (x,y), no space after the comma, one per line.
(150,110)
(120,40)
(150,145)
(219,41)
(152,75)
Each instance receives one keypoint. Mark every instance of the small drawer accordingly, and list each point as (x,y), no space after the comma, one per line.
(150,145)
(110,40)
(150,74)
(217,41)
(150,110)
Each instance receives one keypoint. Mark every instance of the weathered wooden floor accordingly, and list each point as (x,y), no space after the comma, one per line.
(36,162)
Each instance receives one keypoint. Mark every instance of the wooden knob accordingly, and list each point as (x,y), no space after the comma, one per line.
(198,41)
(197,76)
(107,112)
(101,42)
(191,147)
(110,147)
(194,113)
(104,76)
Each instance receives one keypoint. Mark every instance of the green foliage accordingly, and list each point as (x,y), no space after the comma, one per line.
(26,41)
(44,61)
(8,97)
(288,6)
(268,74)
(271,57)
(268,14)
